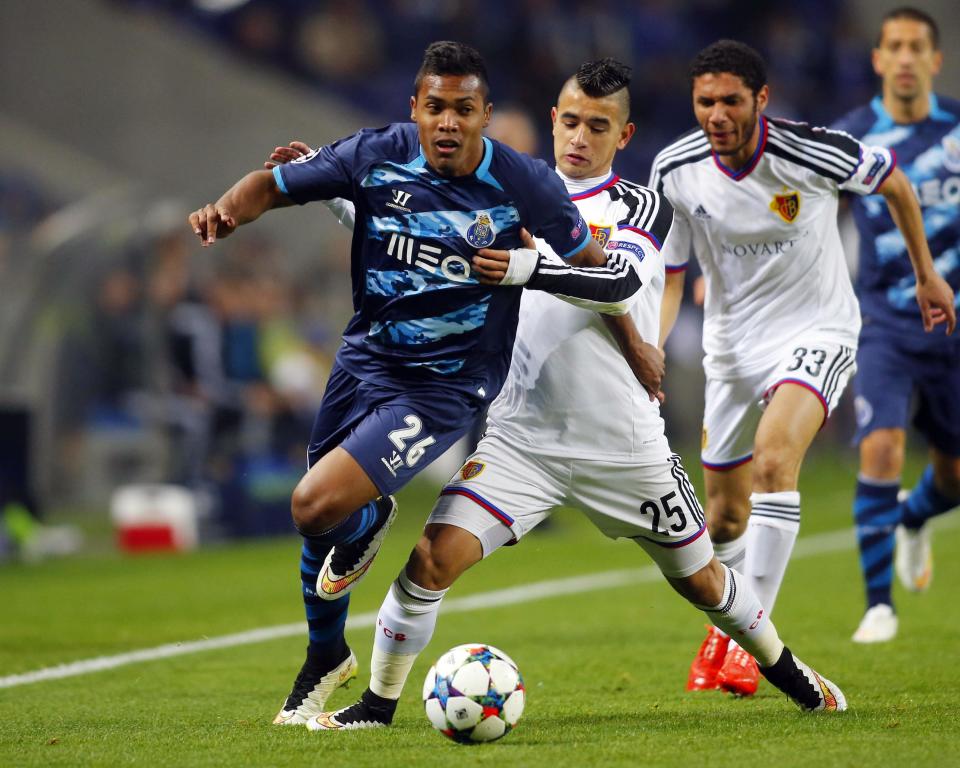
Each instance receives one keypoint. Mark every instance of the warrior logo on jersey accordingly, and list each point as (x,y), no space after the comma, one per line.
(480,234)
(601,233)
(471,469)
(951,153)
(787,205)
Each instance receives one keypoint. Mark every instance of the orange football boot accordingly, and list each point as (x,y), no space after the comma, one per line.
(739,674)
(710,657)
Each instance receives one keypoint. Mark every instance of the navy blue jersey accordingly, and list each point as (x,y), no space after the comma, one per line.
(929,154)
(420,312)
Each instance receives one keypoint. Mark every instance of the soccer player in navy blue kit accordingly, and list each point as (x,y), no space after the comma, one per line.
(896,359)
(435,317)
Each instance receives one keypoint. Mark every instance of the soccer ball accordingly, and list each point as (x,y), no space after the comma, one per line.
(474,693)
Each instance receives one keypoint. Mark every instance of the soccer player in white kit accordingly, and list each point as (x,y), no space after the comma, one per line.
(573,426)
(756,201)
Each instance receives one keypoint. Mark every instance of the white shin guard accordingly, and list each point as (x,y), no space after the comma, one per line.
(405,624)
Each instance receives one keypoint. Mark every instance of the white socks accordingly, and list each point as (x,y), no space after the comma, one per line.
(405,625)
(771,533)
(741,616)
(732,553)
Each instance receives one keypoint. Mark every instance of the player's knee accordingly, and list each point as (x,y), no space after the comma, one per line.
(727,518)
(312,509)
(431,566)
(775,468)
(882,454)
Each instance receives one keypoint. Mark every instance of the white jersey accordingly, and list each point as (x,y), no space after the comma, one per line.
(569,391)
(766,237)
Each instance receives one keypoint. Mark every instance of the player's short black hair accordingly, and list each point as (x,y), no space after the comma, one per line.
(913,14)
(603,78)
(448,57)
(733,57)
(606,77)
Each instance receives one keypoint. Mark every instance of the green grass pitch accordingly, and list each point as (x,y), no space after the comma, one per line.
(604,669)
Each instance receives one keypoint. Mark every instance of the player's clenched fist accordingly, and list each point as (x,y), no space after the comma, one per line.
(210,222)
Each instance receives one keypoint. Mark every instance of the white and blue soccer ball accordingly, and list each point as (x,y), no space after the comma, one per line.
(474,693)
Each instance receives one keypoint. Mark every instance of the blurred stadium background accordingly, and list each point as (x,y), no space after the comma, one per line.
(128,355)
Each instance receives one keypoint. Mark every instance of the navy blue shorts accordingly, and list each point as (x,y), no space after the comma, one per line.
(888,375)
(392,433)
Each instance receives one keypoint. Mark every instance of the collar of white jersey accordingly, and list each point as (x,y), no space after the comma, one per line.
(583,188)
(741,173)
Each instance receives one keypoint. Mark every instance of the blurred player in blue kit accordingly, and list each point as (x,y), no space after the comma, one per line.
(435,317)
(896,360)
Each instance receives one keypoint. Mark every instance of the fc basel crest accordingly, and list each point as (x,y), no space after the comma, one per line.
(471,469)
(480,234)
(787,205)
(601,233)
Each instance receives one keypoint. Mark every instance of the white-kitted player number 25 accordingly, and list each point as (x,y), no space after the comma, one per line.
(400,438)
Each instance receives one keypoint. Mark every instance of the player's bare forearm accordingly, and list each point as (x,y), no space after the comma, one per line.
(934,294)
(670,308)
(245,201)
(590,256)
(906,214)
(645,360)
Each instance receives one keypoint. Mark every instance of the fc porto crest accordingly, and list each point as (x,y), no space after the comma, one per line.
(951,153)
(480,234)
(601,233)
(471,469)
(787,205)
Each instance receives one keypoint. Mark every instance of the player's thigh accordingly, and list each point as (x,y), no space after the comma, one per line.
(938,411)
(501,492)
(405,432)
(882,390)
(653,503)
(730,416)
(791,420)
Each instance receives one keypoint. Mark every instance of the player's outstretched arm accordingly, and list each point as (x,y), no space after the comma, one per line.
(255,194)
(344,210)
(934,294)
(670,308)
(609,289)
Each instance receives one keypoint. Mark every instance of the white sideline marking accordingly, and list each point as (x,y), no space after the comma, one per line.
(808,546)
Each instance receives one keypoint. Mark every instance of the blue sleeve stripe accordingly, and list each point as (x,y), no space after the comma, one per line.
(643,233)
(671,268)
(575,251)
(893,164)
(278,177)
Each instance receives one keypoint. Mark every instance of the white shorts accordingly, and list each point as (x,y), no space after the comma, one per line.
(732,408)
(501,492)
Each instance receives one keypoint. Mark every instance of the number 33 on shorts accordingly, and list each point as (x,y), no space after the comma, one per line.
(824,367)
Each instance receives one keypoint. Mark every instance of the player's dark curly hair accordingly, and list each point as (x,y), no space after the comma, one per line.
(913,14)
(733,57)
(448,57)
